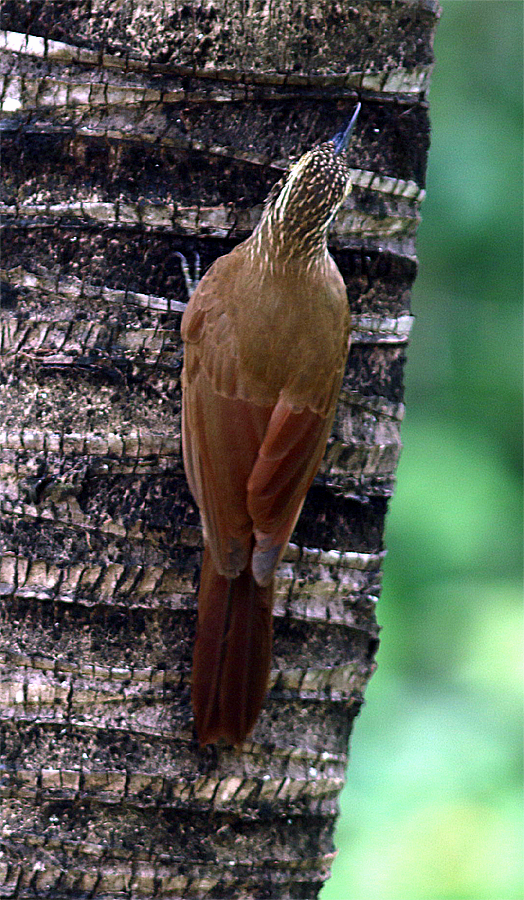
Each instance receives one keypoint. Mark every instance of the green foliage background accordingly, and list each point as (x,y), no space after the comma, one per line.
(433,808)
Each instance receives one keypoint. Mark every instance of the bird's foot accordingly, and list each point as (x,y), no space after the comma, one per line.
(191,283)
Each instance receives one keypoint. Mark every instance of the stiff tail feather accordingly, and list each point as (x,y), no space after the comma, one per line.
(232,655)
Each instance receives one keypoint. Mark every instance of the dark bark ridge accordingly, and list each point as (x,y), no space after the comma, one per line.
(130,133)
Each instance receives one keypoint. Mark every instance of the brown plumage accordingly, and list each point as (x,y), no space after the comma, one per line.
(266,338)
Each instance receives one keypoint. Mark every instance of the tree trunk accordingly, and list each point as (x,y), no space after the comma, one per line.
(133,132)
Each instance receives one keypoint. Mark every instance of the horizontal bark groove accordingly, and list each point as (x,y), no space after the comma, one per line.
(378,285)
(261,39)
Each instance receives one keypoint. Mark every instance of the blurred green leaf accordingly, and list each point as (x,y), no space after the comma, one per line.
(432,808)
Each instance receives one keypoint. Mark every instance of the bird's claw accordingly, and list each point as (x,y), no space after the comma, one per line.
(191,283)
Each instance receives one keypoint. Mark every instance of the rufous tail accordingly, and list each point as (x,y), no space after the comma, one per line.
(232,655)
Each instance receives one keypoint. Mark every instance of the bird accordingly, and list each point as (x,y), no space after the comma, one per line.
(266,336)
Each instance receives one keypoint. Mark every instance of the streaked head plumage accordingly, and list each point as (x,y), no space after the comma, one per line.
(301,206)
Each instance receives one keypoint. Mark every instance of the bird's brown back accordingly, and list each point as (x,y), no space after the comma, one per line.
(259,331)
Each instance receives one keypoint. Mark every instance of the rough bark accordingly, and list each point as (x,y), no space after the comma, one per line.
(132,132)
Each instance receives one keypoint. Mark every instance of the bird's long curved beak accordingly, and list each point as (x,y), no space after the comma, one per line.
(341,140)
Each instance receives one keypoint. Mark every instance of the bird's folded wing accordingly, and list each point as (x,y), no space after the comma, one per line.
(221,437)
(287,462)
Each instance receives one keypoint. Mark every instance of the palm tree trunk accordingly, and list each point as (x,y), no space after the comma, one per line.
(133,132)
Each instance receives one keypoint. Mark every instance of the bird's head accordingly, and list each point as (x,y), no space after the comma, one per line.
(300,208)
